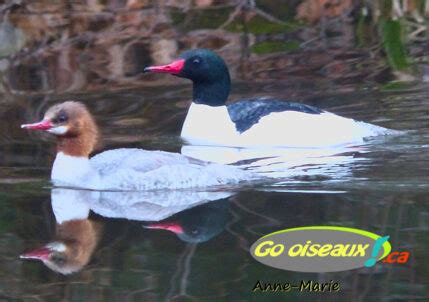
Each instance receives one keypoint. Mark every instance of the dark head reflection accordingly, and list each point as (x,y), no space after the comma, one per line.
(198,224)
(71,248)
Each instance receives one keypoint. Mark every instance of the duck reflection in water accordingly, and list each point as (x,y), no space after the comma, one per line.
(76,236)
(71,248)
(198,217)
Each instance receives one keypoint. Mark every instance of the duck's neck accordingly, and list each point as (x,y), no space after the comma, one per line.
(206,124)
(72,166)
(212,93)
(82,233)
(71,170)
(78,146)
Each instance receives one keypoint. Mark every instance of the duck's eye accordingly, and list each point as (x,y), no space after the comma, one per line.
(59,259)
(196,61)
(62,118)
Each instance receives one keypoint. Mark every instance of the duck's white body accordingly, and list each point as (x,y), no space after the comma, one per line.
(136,169)
(72,204)
(212,125)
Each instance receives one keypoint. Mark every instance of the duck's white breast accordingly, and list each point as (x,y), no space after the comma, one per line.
(208,125)
(74,171)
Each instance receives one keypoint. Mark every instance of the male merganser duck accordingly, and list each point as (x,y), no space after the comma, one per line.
(71,248)
(256,122)
(121,169)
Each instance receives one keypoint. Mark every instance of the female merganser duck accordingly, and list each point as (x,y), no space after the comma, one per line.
(121,169)
(257,122)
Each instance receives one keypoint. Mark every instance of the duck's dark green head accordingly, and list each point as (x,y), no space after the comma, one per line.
(207,71)
(203,66)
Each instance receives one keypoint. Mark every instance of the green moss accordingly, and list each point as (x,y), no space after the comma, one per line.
(360,31)
(396,86)
(177,17)
(235,26)
(210,18)
(259,25)
(275,46)
(282,9)
(201,18)
(393,44)
(364,32)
